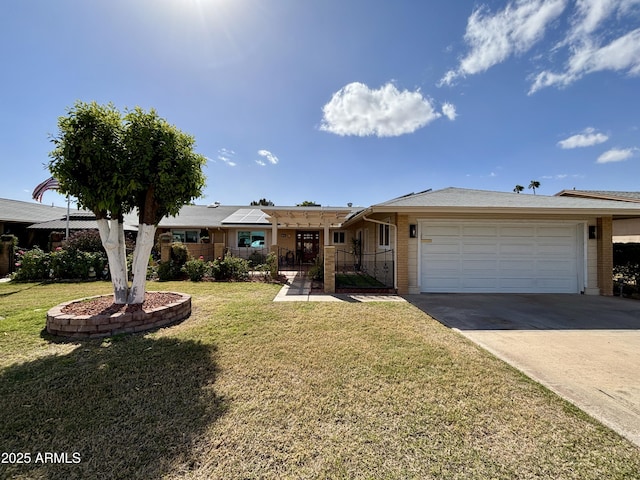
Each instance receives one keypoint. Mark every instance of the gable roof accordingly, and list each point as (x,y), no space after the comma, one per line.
(28,212)
(602,194)
(198,216)
(246,216)
(82,220)
(469,201)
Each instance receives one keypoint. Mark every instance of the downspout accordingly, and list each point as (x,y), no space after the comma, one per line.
(395,250)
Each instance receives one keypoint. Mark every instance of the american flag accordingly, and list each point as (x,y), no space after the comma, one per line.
(49,184)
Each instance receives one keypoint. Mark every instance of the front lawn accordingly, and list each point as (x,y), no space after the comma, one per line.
(248,388)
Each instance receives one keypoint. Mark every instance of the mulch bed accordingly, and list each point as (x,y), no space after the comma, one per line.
(105,305)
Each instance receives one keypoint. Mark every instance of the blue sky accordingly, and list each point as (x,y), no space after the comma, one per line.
(339,101)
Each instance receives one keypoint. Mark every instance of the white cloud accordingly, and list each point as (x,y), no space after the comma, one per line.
(600,36)
(621,54)
(386,112)
(449,111)
(586,139)
(492,38)
(226,156)
(616,155)
(271,158)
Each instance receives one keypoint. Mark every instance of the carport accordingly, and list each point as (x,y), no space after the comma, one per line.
(584,348)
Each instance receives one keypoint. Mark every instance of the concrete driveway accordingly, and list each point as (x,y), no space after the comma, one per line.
(584,348)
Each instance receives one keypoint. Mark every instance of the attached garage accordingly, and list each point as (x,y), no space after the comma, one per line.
(509,257)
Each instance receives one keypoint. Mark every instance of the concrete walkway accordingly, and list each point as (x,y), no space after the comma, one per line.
(298,289)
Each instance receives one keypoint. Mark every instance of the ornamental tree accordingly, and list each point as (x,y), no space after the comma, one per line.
(117,163)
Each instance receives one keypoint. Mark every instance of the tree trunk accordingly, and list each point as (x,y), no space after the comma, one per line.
(112,236)
(144,244)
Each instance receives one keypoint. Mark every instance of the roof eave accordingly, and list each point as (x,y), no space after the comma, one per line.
(553,211)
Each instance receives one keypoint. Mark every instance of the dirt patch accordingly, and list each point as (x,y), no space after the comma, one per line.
(105,305)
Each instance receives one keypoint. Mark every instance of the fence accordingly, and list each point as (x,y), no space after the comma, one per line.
(256,255)
(364,270)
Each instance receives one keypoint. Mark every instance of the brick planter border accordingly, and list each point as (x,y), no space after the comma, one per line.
(95,326)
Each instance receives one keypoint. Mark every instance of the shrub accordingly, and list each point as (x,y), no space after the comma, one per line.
(195,269)
(165,271)
(75,264)
(63,264)
(173,269)
(272,264)
(626,265)
(256,258)
(179,253)
(230,268)
(85,241)
(316,272)
(32,265)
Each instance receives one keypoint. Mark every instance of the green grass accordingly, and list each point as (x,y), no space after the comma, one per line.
(248,388)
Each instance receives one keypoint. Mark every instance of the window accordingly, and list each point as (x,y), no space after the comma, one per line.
(383,236)
(186,236)
(338,237)
(251,239)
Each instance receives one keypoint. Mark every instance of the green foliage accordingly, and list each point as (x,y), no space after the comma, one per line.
(179,253)
(75,264)
(165,172)
(626,264)
(230,268)
(63,264)
(272,264)
(195,269)
(84,240)
(316,272)
(262,202)
(173,269)
(113,163)
(166,271)
(256,258)
(307,203)
(32,265)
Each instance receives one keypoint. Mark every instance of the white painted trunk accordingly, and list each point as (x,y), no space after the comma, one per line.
(112,236)
(144,244)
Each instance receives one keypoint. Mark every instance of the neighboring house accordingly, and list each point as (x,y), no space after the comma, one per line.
(625,230)
(79,220)
(16,216)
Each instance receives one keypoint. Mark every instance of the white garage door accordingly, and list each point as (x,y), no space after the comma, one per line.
(499,257)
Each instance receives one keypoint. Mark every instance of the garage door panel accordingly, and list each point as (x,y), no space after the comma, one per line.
(560,231)
(499,258)
(480,265)
(517,249)
(517,231)
(480,248)
(441,230)
(443,284)
(556,250)
(479,284)
(479,231)
(443,248)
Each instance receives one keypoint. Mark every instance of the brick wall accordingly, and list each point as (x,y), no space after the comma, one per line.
(402,255)
(605,255)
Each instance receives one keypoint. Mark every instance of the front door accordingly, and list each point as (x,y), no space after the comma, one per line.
(307,245)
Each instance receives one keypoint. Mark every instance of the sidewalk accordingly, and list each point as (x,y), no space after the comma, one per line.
(298,289)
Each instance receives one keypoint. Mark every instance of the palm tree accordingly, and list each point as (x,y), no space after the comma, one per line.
(533,185)
(518,188)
